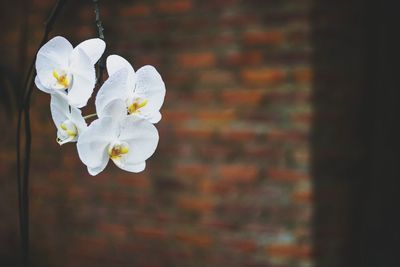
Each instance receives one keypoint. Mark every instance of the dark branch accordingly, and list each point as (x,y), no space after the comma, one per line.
(100,30)
(23,171)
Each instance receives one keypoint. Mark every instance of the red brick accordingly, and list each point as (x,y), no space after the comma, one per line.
(145,27)
(201,240)
(216,151)
(217,77)
(263,38)
(148,59)
(237,20)
(263,76)
(203,96)
(86,13)
(175,116)
(171,96)
(196,60)
(303,196)
(303,233)
(83,32)
(137,181)
(264,151)
(202,203)
(242,97)
(7,156)
(289,251)
(37,33)
(286,135)
(220,187)
(42,3)
(131,247)
(299,37)
(238,173)
(302,156)
(136,10)
(191,169)
(221,110)
(206,186)
(244,58)
(174,6)
(216,115)
(303,118)
(76,192)
(201,41)
(194,132)
(195,24)
(114,198)
(217,224)
(149,263)
(216,4)
(303,75)
(89,245)
(115,230)
(287,175)
(150,232)
(44,190)
(241,134)
(247,246)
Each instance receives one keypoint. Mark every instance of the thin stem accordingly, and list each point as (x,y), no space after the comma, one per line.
(25,183)
(26,6)
(23,173)
(100,30)
(90,116)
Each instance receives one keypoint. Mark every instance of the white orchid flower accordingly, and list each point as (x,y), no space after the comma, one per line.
(128,142)
(142,92)
(68,120)
(68,71)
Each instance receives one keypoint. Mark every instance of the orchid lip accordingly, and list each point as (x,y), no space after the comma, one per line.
(68,131)
(136,105)
(63,79)
(117,149)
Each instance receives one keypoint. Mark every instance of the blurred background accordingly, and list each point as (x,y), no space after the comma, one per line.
(277,143)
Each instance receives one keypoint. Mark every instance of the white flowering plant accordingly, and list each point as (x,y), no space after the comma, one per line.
(127,104)
(127,107)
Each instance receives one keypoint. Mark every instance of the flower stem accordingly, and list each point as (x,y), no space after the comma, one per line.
(23,114)
(100,30)
(90,116)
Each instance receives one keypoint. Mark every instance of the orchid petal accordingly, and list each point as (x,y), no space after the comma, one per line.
(59,109)
(115,63)
(130,167)
(155,117)
(84,79)
(93,142)
(77,118)
(150,86)
(61,93)
(142,138)
(61,112)
(115,109)
(93,48)
(62,139)
(113,88)
(52,55)
(41,87)
(150,117)
(96,170)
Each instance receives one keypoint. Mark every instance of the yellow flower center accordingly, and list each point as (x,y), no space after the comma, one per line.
(62,79)
(69,132)
(69,129)
(136,105)
(117,150)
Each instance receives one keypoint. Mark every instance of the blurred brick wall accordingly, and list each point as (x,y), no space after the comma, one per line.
(229,184)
